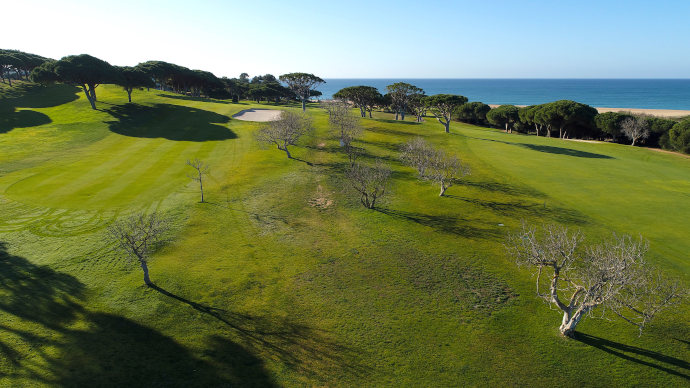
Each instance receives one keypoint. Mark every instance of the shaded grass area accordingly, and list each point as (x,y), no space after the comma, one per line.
(172,122)
(283,279)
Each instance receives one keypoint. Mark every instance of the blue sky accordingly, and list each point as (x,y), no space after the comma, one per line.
(367,39)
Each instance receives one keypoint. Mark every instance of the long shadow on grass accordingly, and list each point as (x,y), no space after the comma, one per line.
(443,223)
(191,98)
(660,361)
(298,346)
(173,122)
(521,209)
(550,149)
(503,188)
(104,349)
(26,95)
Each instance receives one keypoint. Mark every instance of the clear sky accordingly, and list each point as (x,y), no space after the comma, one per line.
(367,39)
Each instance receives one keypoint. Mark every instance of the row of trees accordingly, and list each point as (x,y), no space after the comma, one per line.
(88,72)
(18,65)
(569,119)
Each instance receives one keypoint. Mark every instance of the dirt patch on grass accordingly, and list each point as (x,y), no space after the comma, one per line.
(321,199)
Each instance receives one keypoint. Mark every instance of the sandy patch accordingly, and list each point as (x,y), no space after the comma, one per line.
(257,115)
(651,112)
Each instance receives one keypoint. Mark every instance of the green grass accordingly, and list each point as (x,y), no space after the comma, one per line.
(283,278)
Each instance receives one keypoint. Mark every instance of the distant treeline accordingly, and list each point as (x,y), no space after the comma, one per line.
(567,119)
(563,118)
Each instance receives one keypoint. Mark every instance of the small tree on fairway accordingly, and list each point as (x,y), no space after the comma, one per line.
(131,78)
(444,170)
(635,128)
(302,84)
(285,131)
(198,176)
(369,182)
(137,235)
(612,276)
(433,165)
(443,106)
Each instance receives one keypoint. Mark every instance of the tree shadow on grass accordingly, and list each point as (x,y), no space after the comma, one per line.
(392,121)
(298,346)
(28,95)
(173,122)
(656,360)
(503,188)
(11,119)
(444,223)
(550,149)
(191,98)
(41,345)
(519,209)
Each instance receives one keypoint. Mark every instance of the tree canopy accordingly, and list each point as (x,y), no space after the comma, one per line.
(363,97)
(443,106)
(473,112)
(131,78)
(302,84)
(504,115)
(400,94)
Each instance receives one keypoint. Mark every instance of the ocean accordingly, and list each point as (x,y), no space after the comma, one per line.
(610,93)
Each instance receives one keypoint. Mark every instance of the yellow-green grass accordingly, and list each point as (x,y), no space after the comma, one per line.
(283,278)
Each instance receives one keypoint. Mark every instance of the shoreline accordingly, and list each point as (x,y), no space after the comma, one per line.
(667,113)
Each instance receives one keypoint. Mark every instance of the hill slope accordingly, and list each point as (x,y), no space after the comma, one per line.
(282,278)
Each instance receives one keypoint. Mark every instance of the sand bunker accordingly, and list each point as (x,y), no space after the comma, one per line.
(257,115)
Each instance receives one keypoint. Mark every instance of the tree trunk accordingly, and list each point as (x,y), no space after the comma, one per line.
(560,132)
(304,105)
(402,115)
(201,187)
(129,95)
(443,190)
(369,113)
(145,268)
(569,322)
(288,153)
(506,127)
(9,79)
(93,92)
(633,142)
(447,126)
(89,97)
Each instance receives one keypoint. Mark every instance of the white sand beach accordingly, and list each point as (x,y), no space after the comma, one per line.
(261,115)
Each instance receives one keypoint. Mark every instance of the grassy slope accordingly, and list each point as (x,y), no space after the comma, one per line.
(271,286)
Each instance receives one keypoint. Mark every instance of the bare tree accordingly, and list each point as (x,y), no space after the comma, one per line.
(612,276)
(285,131)
(347,127)
(137,235)
(201,170)
(369,182)
(635,128)
(445,170)
(417,153)
(335,108)
(432,164)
